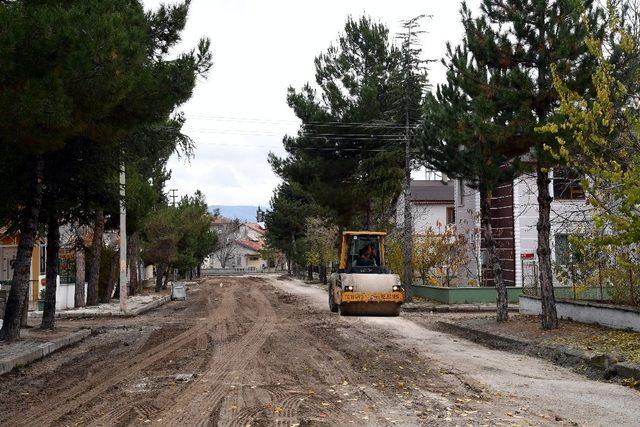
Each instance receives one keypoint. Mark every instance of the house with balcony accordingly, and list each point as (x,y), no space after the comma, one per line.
(514,215)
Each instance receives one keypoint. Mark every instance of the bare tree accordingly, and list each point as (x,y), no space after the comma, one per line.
(225,249)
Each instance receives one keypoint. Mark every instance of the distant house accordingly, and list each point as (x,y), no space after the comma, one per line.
(432,205)
(239,245)
(514,215)
(8,252)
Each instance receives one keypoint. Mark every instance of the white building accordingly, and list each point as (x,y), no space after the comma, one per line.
(514,217)
(431,205)
(240,246)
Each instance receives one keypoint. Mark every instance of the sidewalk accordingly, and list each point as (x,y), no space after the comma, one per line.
(136,305)
(593,349)
(36,344)
(436,307)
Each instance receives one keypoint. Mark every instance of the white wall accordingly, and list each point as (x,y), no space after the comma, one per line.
(238,259)
(423,215)
(564,214)
(467,205)
(525,199)
(65,293)
(587,313)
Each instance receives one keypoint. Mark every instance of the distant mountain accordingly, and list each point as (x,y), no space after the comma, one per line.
(243,213)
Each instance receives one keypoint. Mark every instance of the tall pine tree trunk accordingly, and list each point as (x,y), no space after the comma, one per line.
(94,278)
(53,256)
(323,272)
(132,248)
(407,230)
(159,275)
(19,292)
(294,264)
(549,314)
(112,279)
(166,279)
(310,272)
(502,309)
(79,295)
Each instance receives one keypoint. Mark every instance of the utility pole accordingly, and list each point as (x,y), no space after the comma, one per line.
(123,242)
(260,215)
(173,196)
(412,83)
(408,223)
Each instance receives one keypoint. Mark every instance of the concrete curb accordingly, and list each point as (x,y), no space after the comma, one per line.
(609,365)
(454,308)
(42,350)
(80,315)
(152,305)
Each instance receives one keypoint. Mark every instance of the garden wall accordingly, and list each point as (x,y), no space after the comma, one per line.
(619,317)
(475,295)
(464,295)
(65,295)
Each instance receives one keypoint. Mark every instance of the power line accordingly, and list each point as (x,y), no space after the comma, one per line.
(360,136)
(211,143)
(297,122)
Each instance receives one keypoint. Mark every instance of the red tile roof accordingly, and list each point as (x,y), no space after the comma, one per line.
(256,227)
(250,244)
(222,220)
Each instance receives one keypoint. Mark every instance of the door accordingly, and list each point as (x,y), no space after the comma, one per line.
(8,258)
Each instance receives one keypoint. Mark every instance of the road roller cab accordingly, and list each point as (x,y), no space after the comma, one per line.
(361,284)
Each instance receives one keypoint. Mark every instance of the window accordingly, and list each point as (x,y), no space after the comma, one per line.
(566,184)
(562,249)
(460,192)
(67,269)
(451,215)
(363,251)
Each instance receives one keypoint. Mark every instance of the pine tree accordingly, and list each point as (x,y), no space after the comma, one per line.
(532,36)
(49,94)
(286,219)
(90,71)
(348,152)
(470,126)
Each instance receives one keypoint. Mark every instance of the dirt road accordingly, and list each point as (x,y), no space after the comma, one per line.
(266,351)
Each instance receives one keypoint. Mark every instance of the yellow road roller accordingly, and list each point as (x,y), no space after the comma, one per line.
(361,284)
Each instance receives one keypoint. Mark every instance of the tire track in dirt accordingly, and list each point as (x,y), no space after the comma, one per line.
(204,395)
(86,391)
(120,414)
(281,408)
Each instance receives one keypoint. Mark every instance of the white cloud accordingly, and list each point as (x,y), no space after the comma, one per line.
(238,114)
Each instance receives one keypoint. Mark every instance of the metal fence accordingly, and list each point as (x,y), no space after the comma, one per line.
(572,290)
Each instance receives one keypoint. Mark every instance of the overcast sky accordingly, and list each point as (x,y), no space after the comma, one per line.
(239,113)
